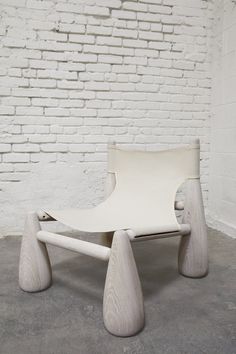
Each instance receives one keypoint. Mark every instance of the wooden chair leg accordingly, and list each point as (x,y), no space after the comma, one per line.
(34,269)
(193,252)
(123,309)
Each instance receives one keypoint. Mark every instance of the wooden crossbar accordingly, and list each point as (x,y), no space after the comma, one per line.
(88,248)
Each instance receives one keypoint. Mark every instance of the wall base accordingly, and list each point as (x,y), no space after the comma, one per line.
(220,225)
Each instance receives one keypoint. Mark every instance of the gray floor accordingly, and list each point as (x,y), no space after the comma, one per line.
(182,315)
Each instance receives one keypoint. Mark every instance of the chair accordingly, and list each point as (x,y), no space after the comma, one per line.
(140,205)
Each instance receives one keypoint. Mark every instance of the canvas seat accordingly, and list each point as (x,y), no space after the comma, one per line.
(140,204)
(144,193)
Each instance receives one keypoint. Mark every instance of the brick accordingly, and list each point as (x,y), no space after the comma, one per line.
(74,8)
(14,72)
(146,53)
(69,138)
(54,46)
(16,157)
(135,44)
(5,148)
(100,86)
(83,112)
(82,148)
(25,148)
(14,43)
(98,67)
(43,64)
(42,138)
(157,27)
(106,31)
(125,33)
(135,60)
(96,49)
(29,111)
(109,41)
(128,69)
(160,9)
(73,85)
(185,65)
(111,59)
(91,76)
(150,36)
(29,73)
(42,83)
(122,86)
(57,74)
(57,112)
(4,91)
(96,11)
(7,110)
(128,5)
(15,101)
(148,17)
(71,103)
(54,147)
(81,38)
(86,58)
(71,28)
(6,167)
(121,51)
(71,66)
(161,63)
(54,56)
(160,45)
(146,26)
(98,104)
(126,15)
(52,36)
(41,25)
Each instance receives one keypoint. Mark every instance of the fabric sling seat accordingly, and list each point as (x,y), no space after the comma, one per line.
(140,205)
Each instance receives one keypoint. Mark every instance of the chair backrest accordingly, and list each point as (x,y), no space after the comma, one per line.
(179,163)
(148,182)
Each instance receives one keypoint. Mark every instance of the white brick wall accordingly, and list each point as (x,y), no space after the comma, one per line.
(222,196)
(76,74)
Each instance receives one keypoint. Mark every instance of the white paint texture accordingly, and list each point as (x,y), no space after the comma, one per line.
(75,74)
(222,191)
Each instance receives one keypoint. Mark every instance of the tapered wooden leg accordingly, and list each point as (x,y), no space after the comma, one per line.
(34,268)
(123,309)
(193,250)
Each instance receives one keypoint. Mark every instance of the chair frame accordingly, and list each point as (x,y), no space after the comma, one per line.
(123,307)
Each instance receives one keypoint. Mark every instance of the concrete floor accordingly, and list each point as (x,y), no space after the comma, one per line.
(182,315)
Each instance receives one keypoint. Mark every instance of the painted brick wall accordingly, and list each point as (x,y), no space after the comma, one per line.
(222,196)
(75,74)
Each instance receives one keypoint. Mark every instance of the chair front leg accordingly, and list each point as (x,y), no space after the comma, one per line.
(34,269)
(193,250)
(123,309)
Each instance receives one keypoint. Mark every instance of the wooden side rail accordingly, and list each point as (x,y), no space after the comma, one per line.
(184,230)
(88,248)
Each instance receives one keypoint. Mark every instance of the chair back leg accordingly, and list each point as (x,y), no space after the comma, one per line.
(123,309)
(193,250)
(34,269)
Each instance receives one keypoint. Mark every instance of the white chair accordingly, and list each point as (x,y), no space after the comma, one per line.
(141,190)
